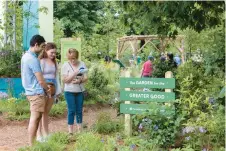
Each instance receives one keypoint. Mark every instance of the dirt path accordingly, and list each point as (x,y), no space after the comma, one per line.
(13,135)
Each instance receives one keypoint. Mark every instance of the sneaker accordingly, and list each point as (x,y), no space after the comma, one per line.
(40,139)
(46,138)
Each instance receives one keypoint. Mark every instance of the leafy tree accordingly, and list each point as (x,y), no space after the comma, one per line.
(211,45)
(105,33)
(58,33)
(77,16)
(164,18)
(214,51)
(13,8)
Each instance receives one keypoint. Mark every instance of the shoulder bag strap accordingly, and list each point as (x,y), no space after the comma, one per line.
(74,70)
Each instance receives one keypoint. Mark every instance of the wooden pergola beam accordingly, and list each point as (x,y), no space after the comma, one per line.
(144,37)
(138,37)
(149,39)
(144,45)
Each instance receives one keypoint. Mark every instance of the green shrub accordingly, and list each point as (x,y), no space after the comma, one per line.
(188,148)
(46,146)
(13,117)
(213,135)
(60,138)
(101,85)
(199,104)
(191,76)
(15,109)
(161,67)
(56,142)
(89,142)
(161,129)
(58,109)
(10,61)
(142,144)
(105,125)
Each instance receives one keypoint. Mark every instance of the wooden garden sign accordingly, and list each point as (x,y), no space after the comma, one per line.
(126,95)
(67,43)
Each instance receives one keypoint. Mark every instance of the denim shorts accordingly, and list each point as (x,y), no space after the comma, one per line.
(52,81)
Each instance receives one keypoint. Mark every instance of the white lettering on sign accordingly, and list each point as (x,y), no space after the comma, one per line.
(155,83)
(144,82)
(136,109)
(146,96)
(131,82)
(135,95)
(157,96)
(161,83)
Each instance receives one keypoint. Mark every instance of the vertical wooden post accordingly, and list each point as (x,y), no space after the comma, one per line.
(14,25)
(128,121)
(118,48)
(168,74)
(182,52)
(5,22)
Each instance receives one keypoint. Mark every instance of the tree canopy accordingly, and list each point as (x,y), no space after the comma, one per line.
(165,18)
(77,16)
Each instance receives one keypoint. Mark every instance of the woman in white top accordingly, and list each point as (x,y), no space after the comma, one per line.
(73,88)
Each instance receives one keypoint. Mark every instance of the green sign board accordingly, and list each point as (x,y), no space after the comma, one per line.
(145,108)
(151,96)
(166,83)
(67,43)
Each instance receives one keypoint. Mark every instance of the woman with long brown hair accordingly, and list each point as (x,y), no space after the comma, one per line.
(49,71)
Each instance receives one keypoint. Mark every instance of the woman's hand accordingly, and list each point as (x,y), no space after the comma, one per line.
(69,78)
(76,81)
(75,72)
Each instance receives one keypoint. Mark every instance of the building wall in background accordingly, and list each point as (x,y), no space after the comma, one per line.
(37,22)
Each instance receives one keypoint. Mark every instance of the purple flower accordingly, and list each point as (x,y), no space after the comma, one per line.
(140,126)
(118,137)
(204,149)
(132,146)
(102,140)
(211,100)
(188,129)
(156,127)
(147,120)
(3,95)
(202,130)
(187,138)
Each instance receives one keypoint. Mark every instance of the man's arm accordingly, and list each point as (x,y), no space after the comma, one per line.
(41,80)
(35,67)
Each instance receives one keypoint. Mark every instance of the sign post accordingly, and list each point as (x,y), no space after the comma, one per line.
(168,74)
(126,95)
(128,120)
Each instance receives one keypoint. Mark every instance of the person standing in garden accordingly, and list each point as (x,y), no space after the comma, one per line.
(50,73)
(177,59)
(73,88)
(171,62)
(34,84)
(147,68)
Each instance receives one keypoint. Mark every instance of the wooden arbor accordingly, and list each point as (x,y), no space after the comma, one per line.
(127,41)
